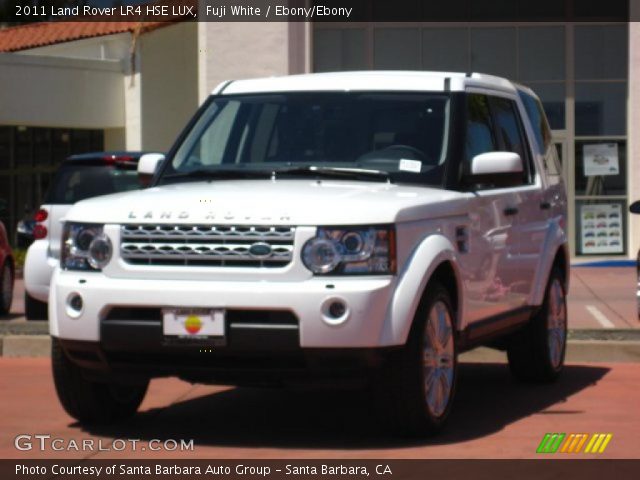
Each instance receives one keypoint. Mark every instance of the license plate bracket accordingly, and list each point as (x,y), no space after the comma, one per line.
(194,325)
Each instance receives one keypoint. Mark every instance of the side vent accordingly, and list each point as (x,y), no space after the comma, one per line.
(462,239)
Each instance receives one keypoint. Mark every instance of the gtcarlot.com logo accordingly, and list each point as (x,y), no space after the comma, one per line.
(574,443)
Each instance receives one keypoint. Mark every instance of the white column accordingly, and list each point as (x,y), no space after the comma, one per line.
(633,129)
(133,100)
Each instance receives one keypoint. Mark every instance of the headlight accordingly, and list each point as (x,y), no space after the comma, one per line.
(351,251)
(85,247)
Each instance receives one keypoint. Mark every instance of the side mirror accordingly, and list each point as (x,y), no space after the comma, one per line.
(147,167)
(3,204)
(499,169)
(633,208)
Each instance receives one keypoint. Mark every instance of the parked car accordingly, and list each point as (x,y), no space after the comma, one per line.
(635,208)
(323,229)
(24,231)
(7,268)
(78,178)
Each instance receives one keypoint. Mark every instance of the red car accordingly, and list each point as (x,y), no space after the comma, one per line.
(7,268)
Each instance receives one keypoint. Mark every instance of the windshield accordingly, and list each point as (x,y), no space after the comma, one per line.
(401,136)
(73,183)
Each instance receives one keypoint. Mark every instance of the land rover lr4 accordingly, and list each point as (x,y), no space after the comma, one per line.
(329,228)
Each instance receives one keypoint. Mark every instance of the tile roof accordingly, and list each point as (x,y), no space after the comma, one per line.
(33,35)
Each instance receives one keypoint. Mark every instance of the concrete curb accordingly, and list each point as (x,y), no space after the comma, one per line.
(578,351)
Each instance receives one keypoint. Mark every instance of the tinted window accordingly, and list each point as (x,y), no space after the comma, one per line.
(480,138)
(538,120)
(379,131)
(542,131)
(509,129)
(73,183)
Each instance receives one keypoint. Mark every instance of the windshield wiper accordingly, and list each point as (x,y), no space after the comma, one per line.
(208,173)
(332,172)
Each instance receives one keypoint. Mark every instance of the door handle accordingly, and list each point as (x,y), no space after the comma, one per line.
(510,211)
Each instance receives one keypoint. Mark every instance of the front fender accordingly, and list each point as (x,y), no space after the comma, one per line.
(416,273)
(555,240)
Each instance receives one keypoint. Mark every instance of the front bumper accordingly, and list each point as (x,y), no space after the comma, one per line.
(123,314)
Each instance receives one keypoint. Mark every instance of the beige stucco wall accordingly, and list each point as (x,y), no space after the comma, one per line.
(60,92)
(107,47)
(633,127)
(169,83)
(237,50)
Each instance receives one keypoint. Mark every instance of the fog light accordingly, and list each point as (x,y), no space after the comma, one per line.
(337,309)
(75,302)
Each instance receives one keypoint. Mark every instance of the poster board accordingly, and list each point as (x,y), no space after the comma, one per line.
(601,159)
(601,228)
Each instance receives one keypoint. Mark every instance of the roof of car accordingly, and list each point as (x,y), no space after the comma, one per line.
(367,81)
(104,155)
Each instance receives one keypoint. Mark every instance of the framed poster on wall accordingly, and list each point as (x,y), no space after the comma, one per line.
(601,231)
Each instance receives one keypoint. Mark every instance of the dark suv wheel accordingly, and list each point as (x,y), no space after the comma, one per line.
(419,385)
(537,352)
(88,401)
(35,309)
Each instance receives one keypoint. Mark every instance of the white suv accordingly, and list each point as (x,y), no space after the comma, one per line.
(352,227)
(79,177)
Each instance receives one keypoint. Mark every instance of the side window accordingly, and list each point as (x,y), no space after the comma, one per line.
(479,136)
(542,131)
(511,133)
(538,120)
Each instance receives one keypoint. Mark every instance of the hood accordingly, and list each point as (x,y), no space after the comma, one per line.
(272,202)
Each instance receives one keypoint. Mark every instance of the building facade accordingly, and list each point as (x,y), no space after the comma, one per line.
(132,90)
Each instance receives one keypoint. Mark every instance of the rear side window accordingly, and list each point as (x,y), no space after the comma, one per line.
(538,119)
(73,183)
(542,131)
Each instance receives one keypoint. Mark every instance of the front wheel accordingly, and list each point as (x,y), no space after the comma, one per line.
(419,385)
(35,309)
(537,352)
(6,288)
(92,402)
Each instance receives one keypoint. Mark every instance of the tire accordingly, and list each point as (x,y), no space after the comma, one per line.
(418,386)
(92,402)
(537,352)
(35,309)
(6,288)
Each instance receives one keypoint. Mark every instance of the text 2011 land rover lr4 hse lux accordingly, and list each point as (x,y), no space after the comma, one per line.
(354,227)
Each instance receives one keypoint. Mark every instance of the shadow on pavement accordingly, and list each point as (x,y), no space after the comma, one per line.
(487,401)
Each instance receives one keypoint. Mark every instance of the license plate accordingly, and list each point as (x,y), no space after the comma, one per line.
(193,323)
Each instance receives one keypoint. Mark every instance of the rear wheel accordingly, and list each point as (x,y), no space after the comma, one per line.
(35,309)
(537,352)
(92,402)
(6,288)
(419,385)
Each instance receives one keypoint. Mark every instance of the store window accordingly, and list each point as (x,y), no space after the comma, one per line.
(339,49)
(28,158)
(584,65)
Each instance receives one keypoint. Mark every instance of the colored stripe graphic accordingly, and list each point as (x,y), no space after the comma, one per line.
(573,443)
(550,443)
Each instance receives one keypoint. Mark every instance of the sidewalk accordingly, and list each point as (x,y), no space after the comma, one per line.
(603,297)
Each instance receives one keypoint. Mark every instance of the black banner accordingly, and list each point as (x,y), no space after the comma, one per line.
(321,469)
(338,11)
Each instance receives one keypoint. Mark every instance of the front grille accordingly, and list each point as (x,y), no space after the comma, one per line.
(207,245)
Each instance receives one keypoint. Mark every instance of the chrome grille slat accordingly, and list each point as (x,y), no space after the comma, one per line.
(205,245)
